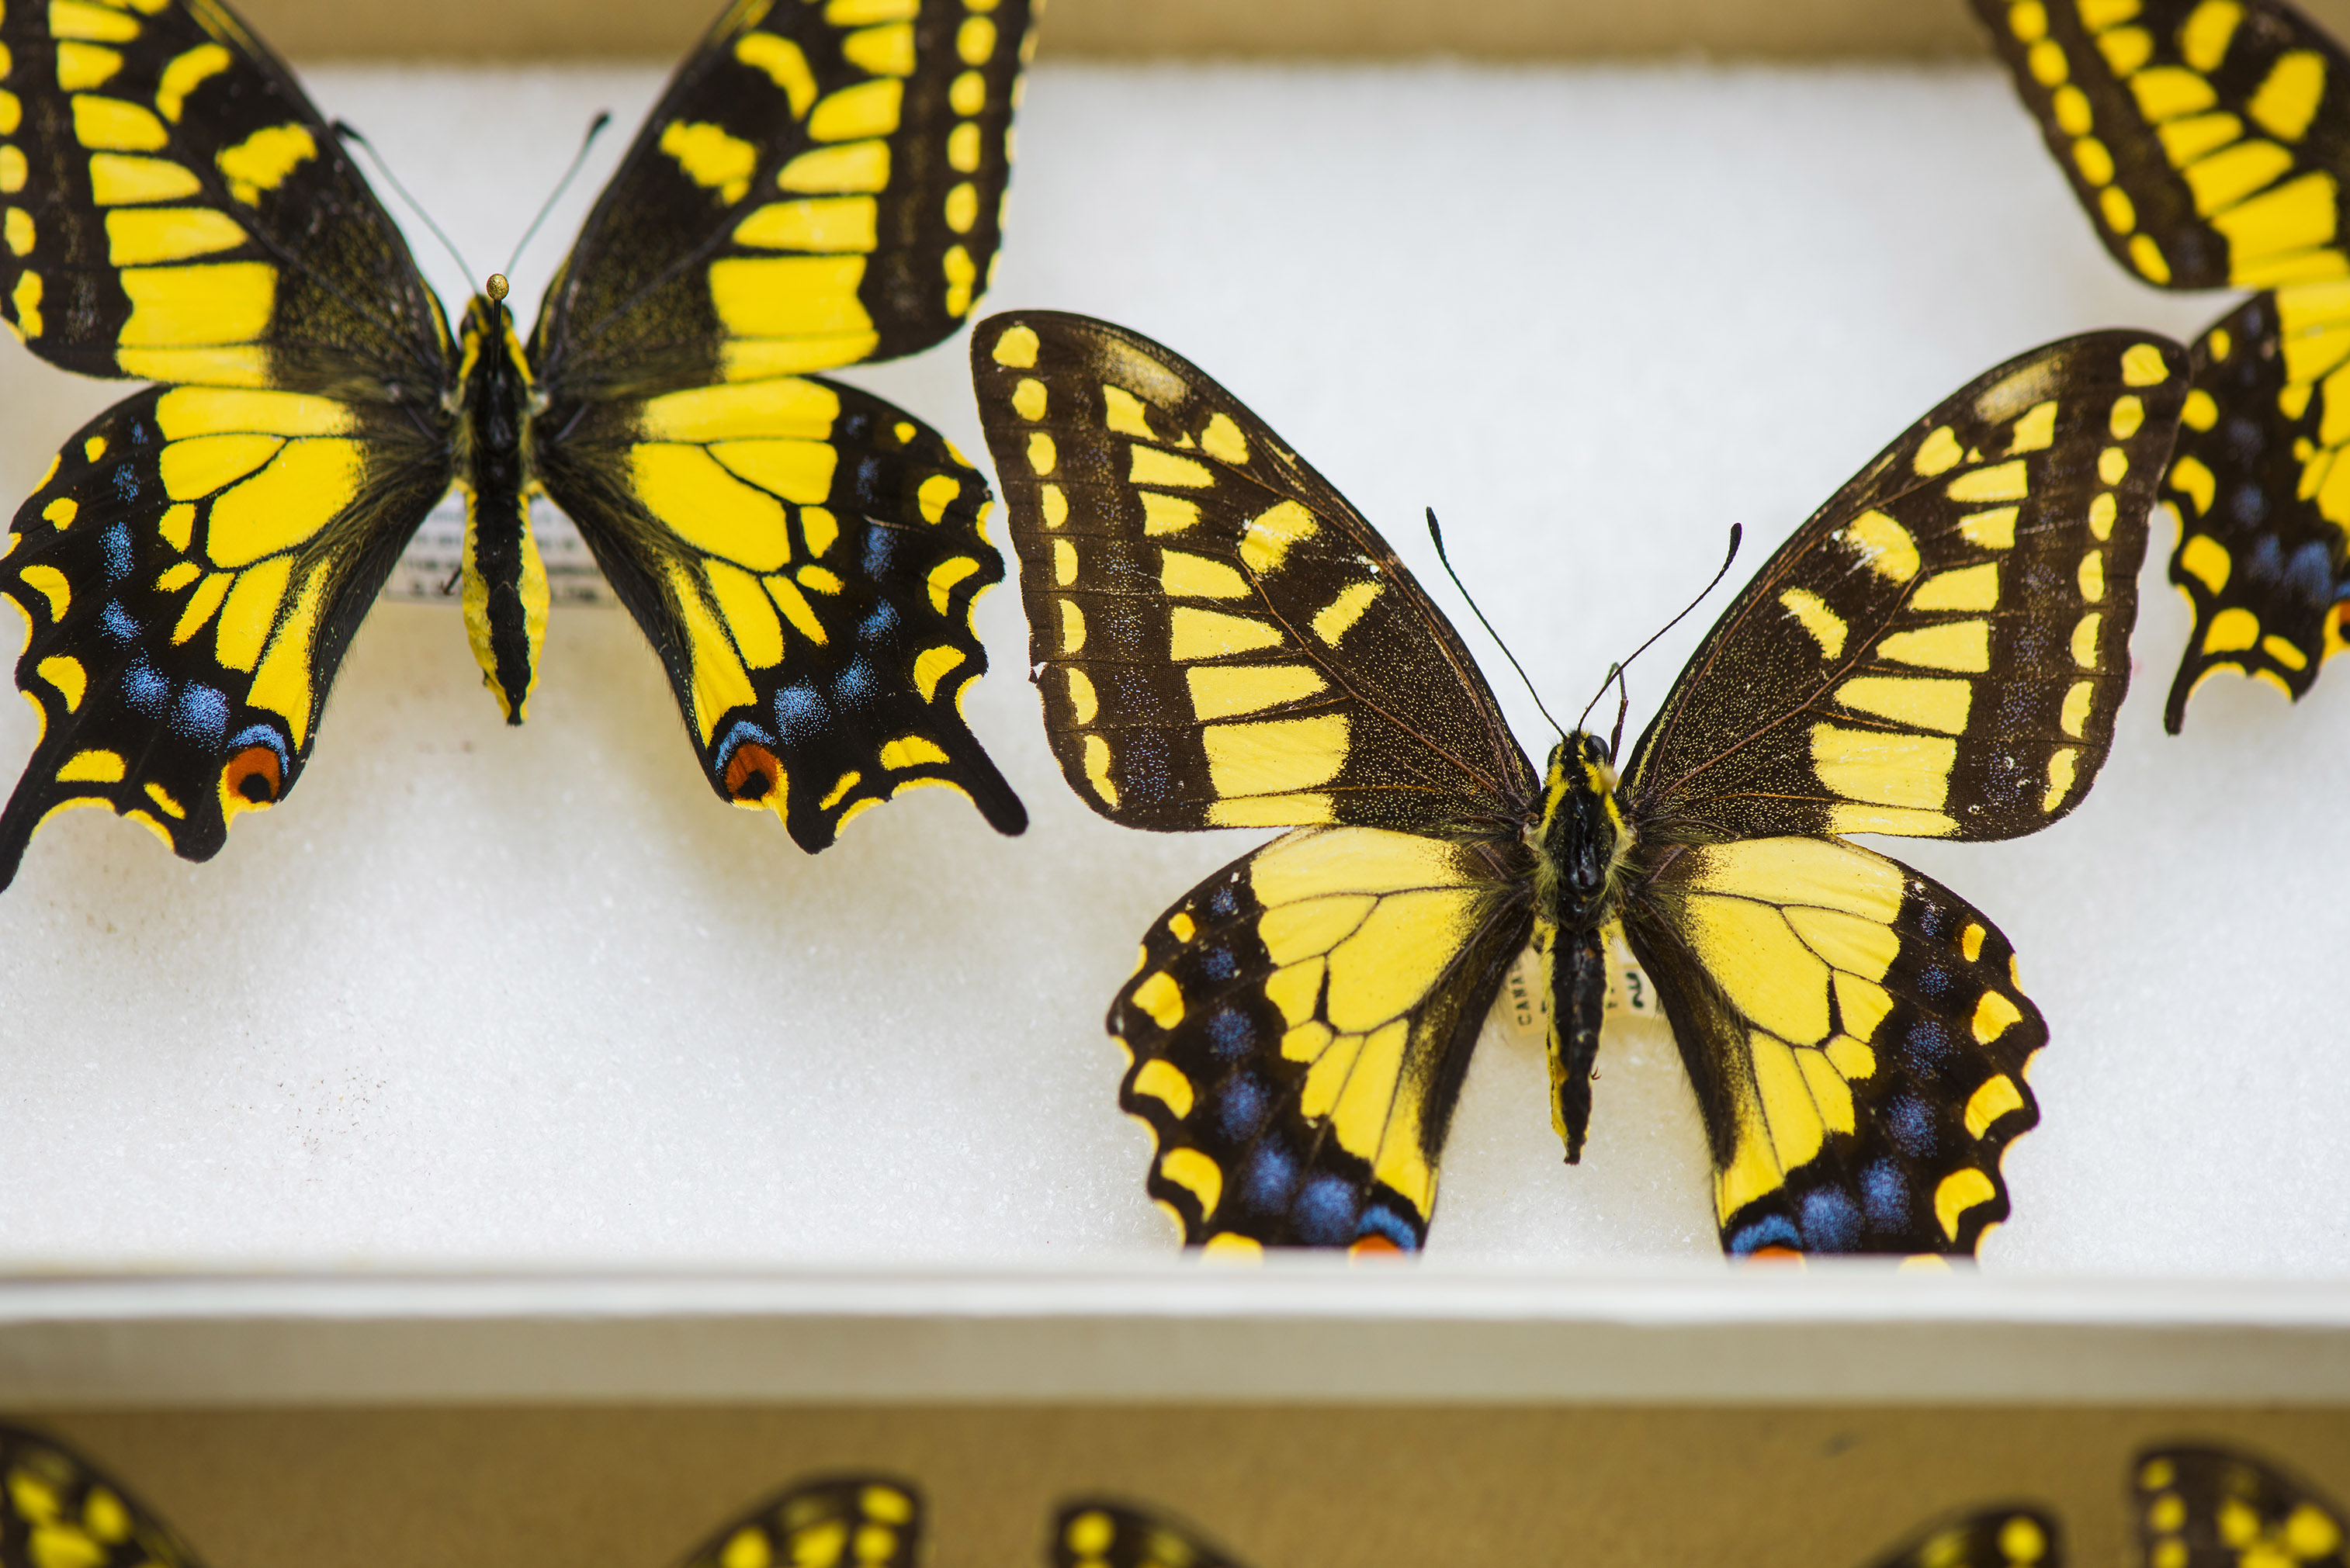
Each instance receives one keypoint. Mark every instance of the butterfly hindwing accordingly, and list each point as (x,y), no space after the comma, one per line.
(1856,1038)
(804,557)
(1299,1026)
(2017,1537)
(176,210)
(192,571)
(2201,1507)
(819,186)
(1940,651)
(848,1521)
(1223,640)
(1097,1532)
(57,1508)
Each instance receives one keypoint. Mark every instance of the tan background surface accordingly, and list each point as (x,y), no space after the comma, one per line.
(1503,30)
(1345,1487)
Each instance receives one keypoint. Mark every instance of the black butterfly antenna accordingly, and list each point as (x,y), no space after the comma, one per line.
(1615,670)
(1437,535)
(346,131)
(595,128)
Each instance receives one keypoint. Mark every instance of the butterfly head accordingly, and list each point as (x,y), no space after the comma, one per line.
(1580,838)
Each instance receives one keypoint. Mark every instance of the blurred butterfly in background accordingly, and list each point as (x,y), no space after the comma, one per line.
(2210,141)
(1224,641)
(818,186)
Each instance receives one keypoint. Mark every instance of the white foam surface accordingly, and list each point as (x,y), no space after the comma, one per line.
(479,995)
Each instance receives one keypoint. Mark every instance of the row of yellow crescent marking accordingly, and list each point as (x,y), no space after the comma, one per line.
(1265,772)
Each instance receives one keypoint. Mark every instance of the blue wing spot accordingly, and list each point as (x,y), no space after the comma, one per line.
(801,714)
(1324,1214)
(1927,1046)
(1272,1177)
(1885,1193)
(1831,1222)
(262,735)
(740,731)
(1217,963)
(126,483)
(880,626)
(1910,1120)
(116,542)
(881,547)
(1381,1221)
(1770,1231)
(145,690)
(854,685)
(201,715)
(1230,1033)
(1242,1106)
(118,623)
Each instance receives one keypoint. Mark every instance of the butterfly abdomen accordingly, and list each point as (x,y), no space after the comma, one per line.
(1581,842)
(505,583)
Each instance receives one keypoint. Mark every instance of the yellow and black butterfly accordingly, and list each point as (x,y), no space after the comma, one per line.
(819,185)
(2209,140)
(2199,1507)
(58,1510)
(1224,642)
(1100,1533)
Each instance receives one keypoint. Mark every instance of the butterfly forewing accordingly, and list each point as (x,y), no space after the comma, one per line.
(168,193)
(1097,1533)
(1223,640)
(2210,1508)
(1940,651)
(804,557)
(820,186)
(852,1522)
(57,1508)
(1856,1039)
(1300,1024)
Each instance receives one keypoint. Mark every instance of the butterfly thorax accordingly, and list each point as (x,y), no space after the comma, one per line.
(1580,843)
(505,582)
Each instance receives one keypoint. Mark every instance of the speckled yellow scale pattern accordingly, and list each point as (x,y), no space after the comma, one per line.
(1221,640)
(2209,142)
(2215,1507)
(821,183)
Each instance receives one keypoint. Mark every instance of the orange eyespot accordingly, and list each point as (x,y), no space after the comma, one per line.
(253,776)
(1779,1255)
(751,774)
(1372,1247)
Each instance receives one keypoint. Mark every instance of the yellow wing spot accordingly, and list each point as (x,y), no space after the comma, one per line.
(783,64)
(1042,453)
(1160,1078)
(2092,577)
(2156,1474)
(961,275)
(1920,703)
(2284,652)
(1054,505)
(711,158)
(822,223)
(1269,537)
(2288,97)
(2112,464)
(84,66)
(1015,346)
(1909,771)
(749,613)
(2008,481)
(931,665)
(2204,36)
(708,508)
(2045,61)
(1223,441)
(911,752)
(26,297)
(103,24)
(213,302)
(103,1514)
(853,167)
(113,125)
(1883,544)
(1939,453)
(884,51)
(1335,619)
(963,149)
(887,1504)
(2021,1541)
(11,113)
(263,160)
(1993,530)
(202,605)
(92,767)
(2115,206)
(975,41)
(2035,431)
(1083,703)
(65,672)
(302,488)
(2084,639)
(2102,511)
(2225,178)
(2096,163)
(1184,576)
(1225,691)
(746,1548)
(2073,718)
(1090,1534)
(163,799)
(1962,647)
(869,109)
(945,575)
(1276,756)
(1971,941)
(1065,563)
(186,73)
(51,584)
(1097,763)
(961,208)
(1196,1174)
(2071,107)
(61,511)
(2060,769)
(1963,588)
(2263,232)
(2127,49)
(2200,412)
(1072,628)
(1997,1097)
(1123,414)
(179,575)
(17,230)
(1028,399)
(1960,1191)
(1812,613)
(817,579)
(14,170)
(1994,1013)
(937,494)
(2142,365)
(2028,21)
(2309,1532)
(1197,634)
(846,782)
(93,449)
(2129,414)
(2146,256)
(1152,466)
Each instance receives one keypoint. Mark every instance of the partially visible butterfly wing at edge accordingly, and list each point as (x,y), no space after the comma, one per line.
(195,561)
(55,1508)
(2209,140)
(818,186)
(1224,642)
(2199,1507)
(1938,652)
(847,1522)
(2015,1537)
(1097,1532)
